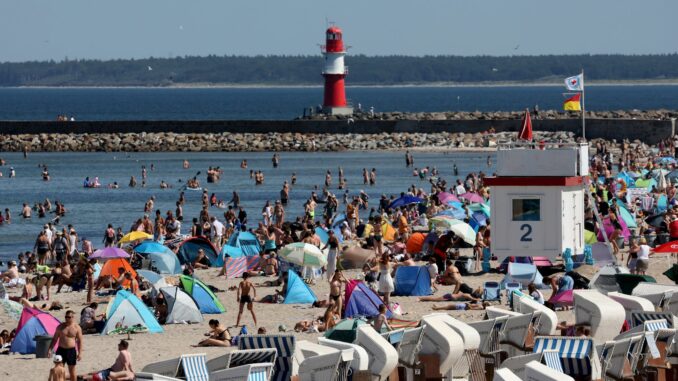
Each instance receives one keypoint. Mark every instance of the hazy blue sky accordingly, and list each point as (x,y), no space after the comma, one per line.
(44,29)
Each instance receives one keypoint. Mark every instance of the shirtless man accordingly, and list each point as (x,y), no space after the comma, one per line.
(244,297)
(335,291)
(121,369)
(69,336)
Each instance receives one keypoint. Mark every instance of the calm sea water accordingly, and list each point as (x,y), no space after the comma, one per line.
(90,210)
(287,103)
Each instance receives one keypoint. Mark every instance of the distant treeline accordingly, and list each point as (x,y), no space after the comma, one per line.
(363,70)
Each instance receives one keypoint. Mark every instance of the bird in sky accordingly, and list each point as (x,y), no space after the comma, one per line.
(517,46)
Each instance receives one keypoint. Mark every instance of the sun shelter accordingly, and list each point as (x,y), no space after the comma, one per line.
(181,308)
(362,301)
(203,296)
(523,273)
(33,322)
(605,316)
(297,291)
(415,243)
(240,254)
(128,311)
(188,250)
(112,266)
(412,281)
(165,263)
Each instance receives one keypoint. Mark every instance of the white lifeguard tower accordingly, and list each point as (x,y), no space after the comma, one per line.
(537,199)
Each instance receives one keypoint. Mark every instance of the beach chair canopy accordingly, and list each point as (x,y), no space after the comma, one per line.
(440,339)
(181,308)
(193,368)
(605,316)
(548,320)
(127,311)
(412,281)
(362,301)
(631,303)
(188,250)
(638,318)
(576,354)
(207,302)
(383,357)
(33,322)
(538,371)
(298,292)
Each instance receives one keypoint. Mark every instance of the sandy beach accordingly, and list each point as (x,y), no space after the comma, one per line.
(100,351)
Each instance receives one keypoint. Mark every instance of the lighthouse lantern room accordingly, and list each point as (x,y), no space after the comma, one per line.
(537,199)
(334,101)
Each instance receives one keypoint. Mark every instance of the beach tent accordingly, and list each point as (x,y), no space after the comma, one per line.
(297,291)
(181,308)
(565,298)
(322,234)
(609,229)
(346,330)
(165,263)
(151,276)
(203,296)
(127,310)
(240,254)
(32,322)
(415,243)
(523,273)
(247,242)
(188,250)
(628,218)
(111,267)
(412,281)
(362,301)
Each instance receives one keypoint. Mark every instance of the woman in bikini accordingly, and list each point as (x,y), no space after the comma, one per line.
(218,336)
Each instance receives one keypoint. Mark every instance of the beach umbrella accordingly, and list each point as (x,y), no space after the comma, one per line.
(452,212)
(110,253)
(661,181)
(628,218)
(480,207)
(11,308)
(465,232)
(303,254)
(149,247)
(655,220)
(669,247)
(404,200)
(673,175)
(345,330)
(472,197)
(672,273)
(445,197)
(135,236)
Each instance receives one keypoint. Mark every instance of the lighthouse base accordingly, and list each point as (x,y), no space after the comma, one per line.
(343,111)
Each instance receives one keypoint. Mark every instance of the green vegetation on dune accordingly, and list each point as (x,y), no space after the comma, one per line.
(364,70)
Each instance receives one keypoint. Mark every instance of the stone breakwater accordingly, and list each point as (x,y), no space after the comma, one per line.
(239,142)
(504,115)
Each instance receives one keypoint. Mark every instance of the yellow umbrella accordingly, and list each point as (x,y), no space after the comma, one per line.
(135,236)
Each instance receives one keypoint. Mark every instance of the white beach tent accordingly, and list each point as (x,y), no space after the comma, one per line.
(603,314)
(181,308)
(536,371)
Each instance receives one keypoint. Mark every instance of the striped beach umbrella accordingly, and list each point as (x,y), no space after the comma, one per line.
(303,254)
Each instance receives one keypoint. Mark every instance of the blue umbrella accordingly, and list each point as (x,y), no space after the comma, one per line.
(404,200)
(459,214)
(149,247)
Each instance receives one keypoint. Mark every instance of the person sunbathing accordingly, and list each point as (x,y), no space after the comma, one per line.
(457,297)
(461,306)
(310,326)
(218,336)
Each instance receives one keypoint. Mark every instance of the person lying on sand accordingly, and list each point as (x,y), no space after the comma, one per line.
(461,306)
(458,297)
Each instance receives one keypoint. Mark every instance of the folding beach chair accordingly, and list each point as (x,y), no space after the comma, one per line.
(193,368)
(284,346)
(491,291)
(510,287)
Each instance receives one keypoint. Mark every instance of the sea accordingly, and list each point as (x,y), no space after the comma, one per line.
(90,210)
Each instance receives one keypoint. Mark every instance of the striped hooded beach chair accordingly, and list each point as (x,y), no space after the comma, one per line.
(284,346)
(640,317)
(242,357)
(193,368)
(250,372)
(577,355)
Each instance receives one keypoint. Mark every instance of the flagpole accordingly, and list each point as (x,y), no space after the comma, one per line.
(583,107)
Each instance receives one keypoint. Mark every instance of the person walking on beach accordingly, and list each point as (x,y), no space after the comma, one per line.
(69,337)
(244,297)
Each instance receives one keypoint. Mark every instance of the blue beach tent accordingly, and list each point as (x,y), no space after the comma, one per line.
(33,322)
(241,244)
(165,263)
(203,296)
(298,292)
(412,281)
(188,250)
(128,310)
(362,301)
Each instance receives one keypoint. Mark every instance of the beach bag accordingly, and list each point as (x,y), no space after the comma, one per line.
(396,309)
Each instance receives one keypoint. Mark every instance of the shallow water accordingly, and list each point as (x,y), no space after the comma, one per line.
(90,210)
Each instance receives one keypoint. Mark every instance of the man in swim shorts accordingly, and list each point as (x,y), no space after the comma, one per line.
(69,336)
(243,297)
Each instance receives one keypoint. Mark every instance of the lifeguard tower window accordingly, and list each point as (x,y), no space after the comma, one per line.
(526,209)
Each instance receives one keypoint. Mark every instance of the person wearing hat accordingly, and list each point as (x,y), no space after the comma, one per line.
(58,372)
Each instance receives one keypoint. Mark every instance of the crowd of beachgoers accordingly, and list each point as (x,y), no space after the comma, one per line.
(443,224)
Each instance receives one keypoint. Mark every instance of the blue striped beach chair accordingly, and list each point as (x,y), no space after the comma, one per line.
(576,354)
(244,357)
(655,325)
(193,368)
(284,346)
(552,359)
(250,372)
(639,317)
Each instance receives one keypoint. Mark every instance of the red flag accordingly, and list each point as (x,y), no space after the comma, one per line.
(526,129)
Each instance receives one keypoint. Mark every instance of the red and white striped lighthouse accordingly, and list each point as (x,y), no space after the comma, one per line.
(334,102)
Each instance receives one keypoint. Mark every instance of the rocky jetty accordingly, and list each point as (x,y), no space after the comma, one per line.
(502,115)
(239,142)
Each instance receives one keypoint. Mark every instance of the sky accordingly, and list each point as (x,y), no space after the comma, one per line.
(108,29)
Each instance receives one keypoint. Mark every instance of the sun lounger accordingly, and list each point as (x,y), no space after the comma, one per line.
(440,339)
(536,371)
(283,344)
(577,355)
(360,357)
(250,372)
(604,315)
(242,357)
(548,320)
(383,358)
(320,368)
(505,375)
(631,303)
(471,364)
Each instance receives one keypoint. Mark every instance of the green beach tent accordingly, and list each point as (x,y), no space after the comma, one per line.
(345,330)
(207,302)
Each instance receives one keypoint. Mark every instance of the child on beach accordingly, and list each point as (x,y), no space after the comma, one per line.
(381,320)
(58,373)
(243,297)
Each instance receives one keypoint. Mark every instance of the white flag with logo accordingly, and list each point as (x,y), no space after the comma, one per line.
(575,83)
